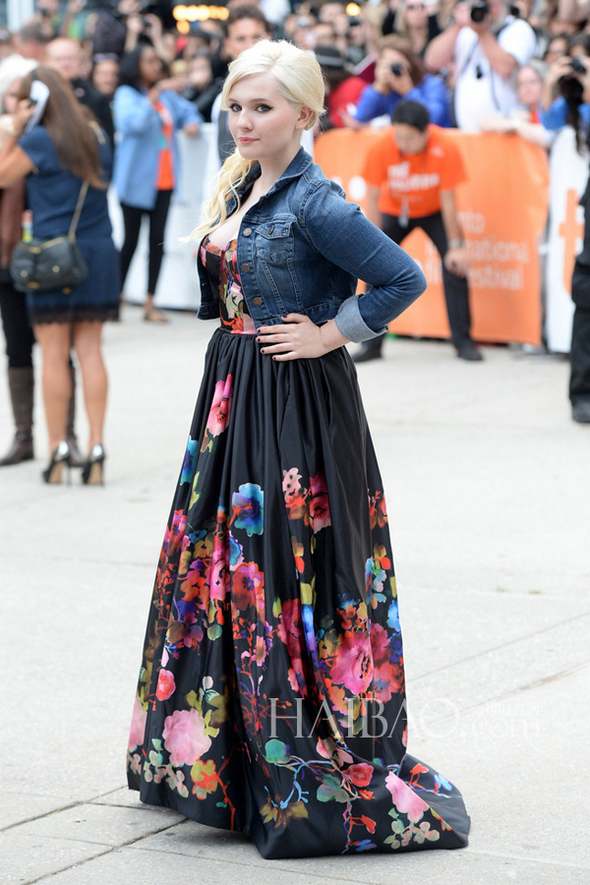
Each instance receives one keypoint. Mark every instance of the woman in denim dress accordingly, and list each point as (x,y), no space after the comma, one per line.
(271,694)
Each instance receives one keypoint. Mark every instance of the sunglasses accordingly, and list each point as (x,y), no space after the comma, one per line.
(415,7)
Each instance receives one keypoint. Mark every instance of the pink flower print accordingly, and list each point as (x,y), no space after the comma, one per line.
(354,665)
(379,643)
(219,412)
(319,506)
(218,580)
(218,577)
(327,748)
(360,774)
(293,493)
(166,685)
(248,585)
(174,535)
(291,482)
(404,798)
(184,737)
(137,730)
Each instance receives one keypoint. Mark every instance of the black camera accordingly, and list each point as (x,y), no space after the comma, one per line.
(397,70)
(479,11)
(577,66)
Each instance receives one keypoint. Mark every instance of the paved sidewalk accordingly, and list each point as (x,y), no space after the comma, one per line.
(488,489)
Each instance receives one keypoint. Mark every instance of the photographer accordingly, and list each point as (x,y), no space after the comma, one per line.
(120,29)
(486,46)
(399,75)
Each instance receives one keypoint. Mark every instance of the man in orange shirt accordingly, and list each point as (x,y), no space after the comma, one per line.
(411,173)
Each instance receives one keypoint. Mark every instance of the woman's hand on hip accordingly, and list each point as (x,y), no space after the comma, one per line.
(299,338)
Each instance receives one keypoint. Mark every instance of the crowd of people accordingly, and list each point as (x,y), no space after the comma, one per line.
(122,82)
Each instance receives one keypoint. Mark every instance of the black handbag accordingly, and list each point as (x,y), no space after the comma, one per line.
(49,265)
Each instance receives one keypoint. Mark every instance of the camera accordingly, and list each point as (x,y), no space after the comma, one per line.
(577,66)
(397,70)
(479,10)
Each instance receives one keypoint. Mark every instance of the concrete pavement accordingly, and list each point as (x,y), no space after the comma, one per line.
(488,489)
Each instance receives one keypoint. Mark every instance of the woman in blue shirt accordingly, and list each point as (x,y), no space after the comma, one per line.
(399,74)
(147,162)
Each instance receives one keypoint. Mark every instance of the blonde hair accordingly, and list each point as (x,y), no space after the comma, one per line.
(300,82)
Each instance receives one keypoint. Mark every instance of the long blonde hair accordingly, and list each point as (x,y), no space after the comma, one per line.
(300,82)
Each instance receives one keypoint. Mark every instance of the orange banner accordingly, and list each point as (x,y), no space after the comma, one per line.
(503,209)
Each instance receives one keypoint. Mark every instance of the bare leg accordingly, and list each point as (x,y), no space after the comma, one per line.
(54,340)
(87,343)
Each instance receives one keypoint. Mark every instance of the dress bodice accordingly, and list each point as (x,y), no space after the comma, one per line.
(221,265)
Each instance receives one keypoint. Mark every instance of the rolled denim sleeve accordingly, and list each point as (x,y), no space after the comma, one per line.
(342,234)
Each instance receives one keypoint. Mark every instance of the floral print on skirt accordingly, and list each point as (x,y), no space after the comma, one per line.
(271,692)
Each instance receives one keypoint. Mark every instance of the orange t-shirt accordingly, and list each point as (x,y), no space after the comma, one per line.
(410,184)
(165,180)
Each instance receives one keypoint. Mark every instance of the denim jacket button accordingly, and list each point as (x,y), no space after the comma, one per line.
(257,300)
(246,266)
(247,231)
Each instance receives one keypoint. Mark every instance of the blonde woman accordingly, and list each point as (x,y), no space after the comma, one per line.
(271,692)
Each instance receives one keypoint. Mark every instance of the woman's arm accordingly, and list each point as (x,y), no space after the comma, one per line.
(14,163)
(371,104)
(432,93)
(341,233)
(555,117)
(133,112)
(185,113)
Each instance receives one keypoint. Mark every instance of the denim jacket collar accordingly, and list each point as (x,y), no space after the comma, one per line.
(300,162)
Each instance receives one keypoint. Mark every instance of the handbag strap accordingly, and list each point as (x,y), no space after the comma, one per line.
(77,211)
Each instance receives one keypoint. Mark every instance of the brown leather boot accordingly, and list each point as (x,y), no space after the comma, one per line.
(21,384)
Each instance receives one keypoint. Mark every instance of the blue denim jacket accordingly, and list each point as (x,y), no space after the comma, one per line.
(301,249)
(139,134)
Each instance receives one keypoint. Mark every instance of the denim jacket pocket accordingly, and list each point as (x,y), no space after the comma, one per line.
(275,241)
(275,252)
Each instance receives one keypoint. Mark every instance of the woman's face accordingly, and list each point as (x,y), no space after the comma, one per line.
(557,47)
(106,76)
(529,87)
(150,66)
(388,58)
(11,97)
(415,13)
(200,73)
(262,122)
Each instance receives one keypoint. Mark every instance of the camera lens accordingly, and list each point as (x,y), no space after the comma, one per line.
(397,70)
(479,11)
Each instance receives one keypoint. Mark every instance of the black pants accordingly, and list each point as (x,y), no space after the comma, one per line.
(579,387)
(132,219)
(455,287)
(17,328)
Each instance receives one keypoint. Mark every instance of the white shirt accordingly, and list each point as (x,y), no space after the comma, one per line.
(489,95)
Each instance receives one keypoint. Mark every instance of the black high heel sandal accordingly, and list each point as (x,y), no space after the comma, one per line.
(60,459)
(93,469)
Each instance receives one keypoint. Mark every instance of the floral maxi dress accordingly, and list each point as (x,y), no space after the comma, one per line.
(271,692)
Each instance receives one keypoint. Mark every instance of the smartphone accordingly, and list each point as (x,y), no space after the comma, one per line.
(38,96)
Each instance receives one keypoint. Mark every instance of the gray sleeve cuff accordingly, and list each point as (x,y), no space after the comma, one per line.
(351,324)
